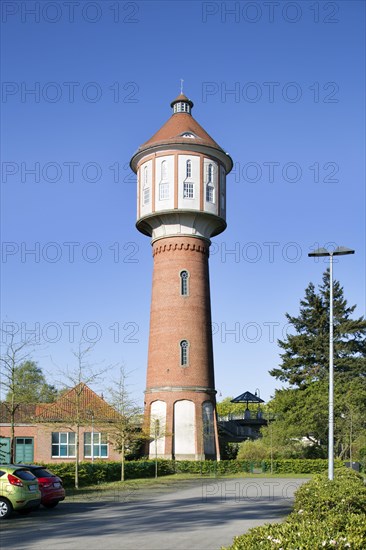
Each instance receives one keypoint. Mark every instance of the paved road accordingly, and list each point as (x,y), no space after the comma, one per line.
(200,516)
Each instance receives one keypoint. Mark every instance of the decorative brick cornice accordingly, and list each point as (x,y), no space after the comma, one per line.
(198,246)
(199,389)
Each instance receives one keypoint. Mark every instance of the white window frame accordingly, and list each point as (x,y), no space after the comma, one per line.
(66,437)
(188,190)
(98,440)
(188,169)
(146,194)
(163,171)
(210,193)
(163,191)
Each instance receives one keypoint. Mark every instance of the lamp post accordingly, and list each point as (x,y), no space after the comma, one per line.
(339,251)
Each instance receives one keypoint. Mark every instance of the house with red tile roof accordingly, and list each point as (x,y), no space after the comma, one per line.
(47,432)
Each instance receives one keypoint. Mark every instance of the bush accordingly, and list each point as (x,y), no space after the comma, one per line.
(100,472)
(327,514)
(253,450)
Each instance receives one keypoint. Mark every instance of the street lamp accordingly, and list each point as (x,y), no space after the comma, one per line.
(339,251)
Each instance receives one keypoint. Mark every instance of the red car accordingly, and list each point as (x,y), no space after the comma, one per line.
(50,485)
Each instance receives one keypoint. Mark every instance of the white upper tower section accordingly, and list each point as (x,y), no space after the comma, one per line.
(181,179)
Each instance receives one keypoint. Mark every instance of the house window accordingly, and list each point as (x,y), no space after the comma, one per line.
(188,190)
(95,445)
(146,176)
(188,169)
(210,193)
(63,444)
(163,191)
(184,283)
(184,353)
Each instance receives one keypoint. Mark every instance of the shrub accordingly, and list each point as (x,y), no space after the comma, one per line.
(253,450)
(327,514)
(91,473)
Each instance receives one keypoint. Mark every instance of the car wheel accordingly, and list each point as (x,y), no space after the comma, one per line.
(5,508)
(50,504)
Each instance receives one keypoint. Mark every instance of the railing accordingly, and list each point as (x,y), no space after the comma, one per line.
(247,415)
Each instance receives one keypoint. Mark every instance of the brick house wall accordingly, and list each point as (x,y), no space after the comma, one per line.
(35,424)
(42,442)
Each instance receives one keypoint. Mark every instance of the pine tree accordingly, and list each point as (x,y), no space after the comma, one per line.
(306,353)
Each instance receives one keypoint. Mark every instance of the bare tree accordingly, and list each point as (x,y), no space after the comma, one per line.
(16,353)
(82,374)
(127,433)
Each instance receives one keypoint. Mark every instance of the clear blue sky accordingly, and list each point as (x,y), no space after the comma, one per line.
(103,75)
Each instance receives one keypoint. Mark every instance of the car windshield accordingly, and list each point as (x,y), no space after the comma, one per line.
(26,475)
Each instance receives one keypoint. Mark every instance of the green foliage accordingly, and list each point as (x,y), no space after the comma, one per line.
(29,385)
(327,514)
(225,407)
(253,450)
(228,450)
(301,411)
(91,473)
(305,357)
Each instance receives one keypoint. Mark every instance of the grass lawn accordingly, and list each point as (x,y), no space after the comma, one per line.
(132,489)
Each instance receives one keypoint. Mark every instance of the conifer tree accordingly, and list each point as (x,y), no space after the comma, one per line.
(306,353)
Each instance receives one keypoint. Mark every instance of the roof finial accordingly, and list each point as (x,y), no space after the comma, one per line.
(181,85)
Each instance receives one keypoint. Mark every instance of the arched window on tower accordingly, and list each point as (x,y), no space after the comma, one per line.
(210,173)
(184,345)
(164,173)
(188,169)
(184,289)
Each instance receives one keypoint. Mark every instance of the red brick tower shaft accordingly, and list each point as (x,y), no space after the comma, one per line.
(181,312)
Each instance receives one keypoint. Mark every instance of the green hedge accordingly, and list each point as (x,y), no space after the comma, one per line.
(99,472)
(327,514)
(289,466)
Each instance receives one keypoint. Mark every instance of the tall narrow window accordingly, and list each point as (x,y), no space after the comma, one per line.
(146,176)
(184,353)
(210,173)
(188,169)
(164,173)
(184,275)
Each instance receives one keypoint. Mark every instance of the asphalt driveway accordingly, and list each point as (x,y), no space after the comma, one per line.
(203,515)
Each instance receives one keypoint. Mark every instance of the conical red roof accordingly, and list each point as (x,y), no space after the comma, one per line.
(175,126)
(178,124)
